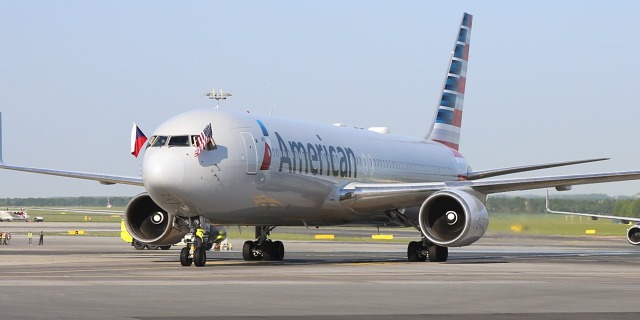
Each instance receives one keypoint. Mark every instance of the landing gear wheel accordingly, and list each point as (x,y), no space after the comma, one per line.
(199,257)
(185,261)
(152,247)
(273,251)
(413,252)
(138,245)
(247,251)
(167,247)
(438,253)
(197,241)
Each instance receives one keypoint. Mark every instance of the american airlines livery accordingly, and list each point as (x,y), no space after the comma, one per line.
(211,167)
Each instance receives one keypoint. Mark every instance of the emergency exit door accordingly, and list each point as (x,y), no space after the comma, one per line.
(250,153)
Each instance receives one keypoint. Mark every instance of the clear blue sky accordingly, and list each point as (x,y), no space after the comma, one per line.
(547,80)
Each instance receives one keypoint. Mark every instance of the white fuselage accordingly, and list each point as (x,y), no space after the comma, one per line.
(236,184)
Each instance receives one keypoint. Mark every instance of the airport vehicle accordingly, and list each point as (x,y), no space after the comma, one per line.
(12,215)
(633,233)
(262,171)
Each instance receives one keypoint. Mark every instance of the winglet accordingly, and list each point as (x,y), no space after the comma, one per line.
(548,203)
(448,119)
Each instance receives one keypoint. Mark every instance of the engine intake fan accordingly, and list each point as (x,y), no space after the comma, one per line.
(149,223)
(453,218)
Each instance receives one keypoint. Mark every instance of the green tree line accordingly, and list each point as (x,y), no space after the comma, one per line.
(620,207)
(65,202)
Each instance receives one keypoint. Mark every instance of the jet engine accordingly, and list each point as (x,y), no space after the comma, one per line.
(453,218)
(149,223)
(633,235)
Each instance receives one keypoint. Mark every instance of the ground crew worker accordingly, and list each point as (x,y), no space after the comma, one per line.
(41,242)
(30,236)
(4,238)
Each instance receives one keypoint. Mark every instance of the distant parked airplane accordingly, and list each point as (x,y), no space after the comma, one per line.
(11,215)
(633,233)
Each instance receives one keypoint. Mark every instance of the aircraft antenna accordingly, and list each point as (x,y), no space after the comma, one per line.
(218,96)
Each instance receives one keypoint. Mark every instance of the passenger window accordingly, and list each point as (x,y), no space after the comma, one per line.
(160,141)
(179,141)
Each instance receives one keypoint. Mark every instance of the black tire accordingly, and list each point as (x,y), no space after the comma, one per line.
(277,249)
(167,247)
(185,261)
(199,257)
(152,247)
(198,241)
(438,253)
(413,251)
(273,250)
(247,250)
(138,245)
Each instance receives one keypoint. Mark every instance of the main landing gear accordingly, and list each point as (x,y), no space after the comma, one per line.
(419,251)
(263,248)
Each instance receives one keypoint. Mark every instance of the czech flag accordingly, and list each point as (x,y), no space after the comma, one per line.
(137,140)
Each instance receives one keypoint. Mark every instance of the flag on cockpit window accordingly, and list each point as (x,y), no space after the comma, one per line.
(203,139)
(137,140)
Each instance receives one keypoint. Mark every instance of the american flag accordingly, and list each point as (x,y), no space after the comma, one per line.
(203,139)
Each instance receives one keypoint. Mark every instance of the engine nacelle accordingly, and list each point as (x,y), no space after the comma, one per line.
(453,218)
(148,223)
(633,235)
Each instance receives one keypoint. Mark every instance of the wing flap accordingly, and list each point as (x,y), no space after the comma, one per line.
(375,197)
(502,171)
(518,184)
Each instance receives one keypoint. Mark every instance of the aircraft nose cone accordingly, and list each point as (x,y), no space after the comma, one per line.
(163,172)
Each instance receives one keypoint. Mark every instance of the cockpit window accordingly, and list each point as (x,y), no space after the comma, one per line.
(151,140)
(160,141)
(179,141)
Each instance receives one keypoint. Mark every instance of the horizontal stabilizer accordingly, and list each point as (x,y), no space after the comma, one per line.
(502,171)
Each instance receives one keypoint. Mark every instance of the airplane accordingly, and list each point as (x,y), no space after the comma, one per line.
(9,215)
(216,167)
(633,233)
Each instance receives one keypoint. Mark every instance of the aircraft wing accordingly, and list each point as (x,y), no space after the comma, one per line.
(370,196)
(593,216)
(102,178)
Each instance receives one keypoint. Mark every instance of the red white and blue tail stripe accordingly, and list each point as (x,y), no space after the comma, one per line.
(446,128)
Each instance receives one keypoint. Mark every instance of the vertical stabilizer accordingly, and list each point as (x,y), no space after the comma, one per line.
(448,120)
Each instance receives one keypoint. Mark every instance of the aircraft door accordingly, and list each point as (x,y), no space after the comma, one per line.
(251,152)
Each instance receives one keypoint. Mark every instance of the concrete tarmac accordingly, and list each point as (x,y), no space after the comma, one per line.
(79,277)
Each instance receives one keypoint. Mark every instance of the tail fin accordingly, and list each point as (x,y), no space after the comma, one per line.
(448,120)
